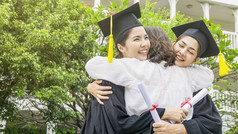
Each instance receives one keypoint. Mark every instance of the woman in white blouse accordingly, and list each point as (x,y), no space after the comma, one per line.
(168,86)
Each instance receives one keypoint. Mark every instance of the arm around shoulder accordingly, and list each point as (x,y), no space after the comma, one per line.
(122,72)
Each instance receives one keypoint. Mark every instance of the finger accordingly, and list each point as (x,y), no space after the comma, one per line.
(181,119)
(162,121)
(155,125)
(104,87)
(177,119)
(104,92)
(98,81)
(184,116)
(159,132)
(102,97)
(156,129)
(99,101)
(185,111)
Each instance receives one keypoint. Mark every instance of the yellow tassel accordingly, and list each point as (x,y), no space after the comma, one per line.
(223,66)
(110,49)
(110,46)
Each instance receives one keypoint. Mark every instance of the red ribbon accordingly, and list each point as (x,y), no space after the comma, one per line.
(154,107)
(186,102)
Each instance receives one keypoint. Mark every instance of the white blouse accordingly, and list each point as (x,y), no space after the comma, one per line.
(167,86)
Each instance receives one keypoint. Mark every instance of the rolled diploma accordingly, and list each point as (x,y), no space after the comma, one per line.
(194,100)
(154,113)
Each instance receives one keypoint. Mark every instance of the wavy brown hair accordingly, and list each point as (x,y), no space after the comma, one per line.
(160,46)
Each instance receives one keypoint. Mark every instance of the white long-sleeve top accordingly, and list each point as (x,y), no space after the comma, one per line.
(167,86)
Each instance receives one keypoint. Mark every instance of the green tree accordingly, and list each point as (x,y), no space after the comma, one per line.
(43,50)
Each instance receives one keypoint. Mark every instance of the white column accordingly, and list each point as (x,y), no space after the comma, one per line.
(172,4)
(96,3)
(50,128)
(206,12)
(235,12)
(3,123)
(136,1)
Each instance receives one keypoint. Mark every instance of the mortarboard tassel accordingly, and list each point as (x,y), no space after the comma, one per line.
(223,66)
(110,46)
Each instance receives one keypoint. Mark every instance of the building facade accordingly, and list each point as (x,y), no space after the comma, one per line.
(223,12)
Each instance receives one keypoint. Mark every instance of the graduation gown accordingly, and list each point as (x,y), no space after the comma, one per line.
(168,87)
(112,118)
(206,119)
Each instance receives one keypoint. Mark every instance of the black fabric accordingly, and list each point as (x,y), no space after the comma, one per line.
(111,118)
(206,119)
(121,21)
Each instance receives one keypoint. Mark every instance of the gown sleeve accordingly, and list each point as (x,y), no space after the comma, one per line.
(200,76)
(111,118)
(124,72)
(205,120)
(128,71)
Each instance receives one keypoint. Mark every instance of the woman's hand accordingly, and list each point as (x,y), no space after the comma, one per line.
(175,114)
(98,91)
(167,128)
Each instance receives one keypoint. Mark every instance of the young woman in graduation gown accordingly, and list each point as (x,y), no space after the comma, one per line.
(112,117)
(206,119)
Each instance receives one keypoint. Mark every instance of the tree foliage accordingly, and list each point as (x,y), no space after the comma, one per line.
(44,47)
(45,44)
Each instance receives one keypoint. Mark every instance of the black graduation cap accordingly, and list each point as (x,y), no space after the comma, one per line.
(122,21)
(199,31)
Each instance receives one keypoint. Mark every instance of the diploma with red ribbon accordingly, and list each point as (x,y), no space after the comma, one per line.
(195,99)
(190,103)
(151,107)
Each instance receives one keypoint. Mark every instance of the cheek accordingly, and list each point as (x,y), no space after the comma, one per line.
(135,47)
(191,58)
(175,47)
(132,50)
(148,42)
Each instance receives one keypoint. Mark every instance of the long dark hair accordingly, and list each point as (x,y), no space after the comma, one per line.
(122,41)
(160,46)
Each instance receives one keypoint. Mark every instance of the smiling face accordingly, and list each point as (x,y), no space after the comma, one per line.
(137,44)
(186,49)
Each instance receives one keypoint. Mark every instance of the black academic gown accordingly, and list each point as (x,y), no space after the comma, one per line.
(112,118)
(206,119)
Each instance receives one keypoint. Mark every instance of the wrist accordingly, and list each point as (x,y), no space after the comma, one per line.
(180,129)
(166,114)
